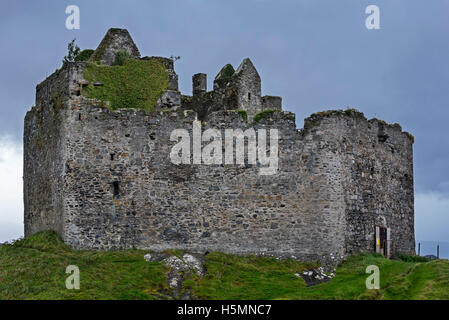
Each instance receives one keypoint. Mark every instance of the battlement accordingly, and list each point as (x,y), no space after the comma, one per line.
(98,168)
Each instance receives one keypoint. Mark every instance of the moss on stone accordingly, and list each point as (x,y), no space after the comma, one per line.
(84,55)
(351,111)
(227,71)
(243,114)
(135,84)
(263,114)
(120,57)
(225,74)
(315,119)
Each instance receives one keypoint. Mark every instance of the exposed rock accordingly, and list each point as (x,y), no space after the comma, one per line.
(194,264)
(176,264)
(179,268)
(314,277)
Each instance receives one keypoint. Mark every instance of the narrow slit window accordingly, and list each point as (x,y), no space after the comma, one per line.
(112,156)
(116,188)
(249,96)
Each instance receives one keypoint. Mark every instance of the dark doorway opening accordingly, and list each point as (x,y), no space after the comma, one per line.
(383,241)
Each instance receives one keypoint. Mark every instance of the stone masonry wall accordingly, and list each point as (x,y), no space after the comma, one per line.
(379,180)
(44,144)
(103,179)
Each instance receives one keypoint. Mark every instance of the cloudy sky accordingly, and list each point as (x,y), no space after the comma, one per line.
(316,54)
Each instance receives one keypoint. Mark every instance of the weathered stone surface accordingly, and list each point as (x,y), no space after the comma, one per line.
(103,179)
(194,264)
(271,103)
(316,276)
(178,269)
(233,90)
(246,80)
(114,41)
(199,83)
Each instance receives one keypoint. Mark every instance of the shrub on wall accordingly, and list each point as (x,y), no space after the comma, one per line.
(84,55)
(120,57)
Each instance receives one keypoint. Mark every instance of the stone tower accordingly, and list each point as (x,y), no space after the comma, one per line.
(249,93)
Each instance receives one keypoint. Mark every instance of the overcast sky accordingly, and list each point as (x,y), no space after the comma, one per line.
(316,54)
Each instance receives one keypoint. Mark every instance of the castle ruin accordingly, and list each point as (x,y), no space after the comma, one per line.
(100,174)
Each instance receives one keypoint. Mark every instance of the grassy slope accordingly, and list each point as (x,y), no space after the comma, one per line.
(34,268)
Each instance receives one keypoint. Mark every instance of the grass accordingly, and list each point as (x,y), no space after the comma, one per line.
(251,277)
(133,84)
(34,268)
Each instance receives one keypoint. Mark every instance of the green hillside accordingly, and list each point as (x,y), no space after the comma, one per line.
(34,268)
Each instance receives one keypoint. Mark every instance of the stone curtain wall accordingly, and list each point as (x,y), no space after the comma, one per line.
(103,179)
(197,207)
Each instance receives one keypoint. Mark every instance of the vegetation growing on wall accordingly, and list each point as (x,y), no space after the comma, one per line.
(242,113)
(120,57)
(72,51)
(225,74)
(84,55)
(263,114)
(227,71)
(135,84)
(315,118)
